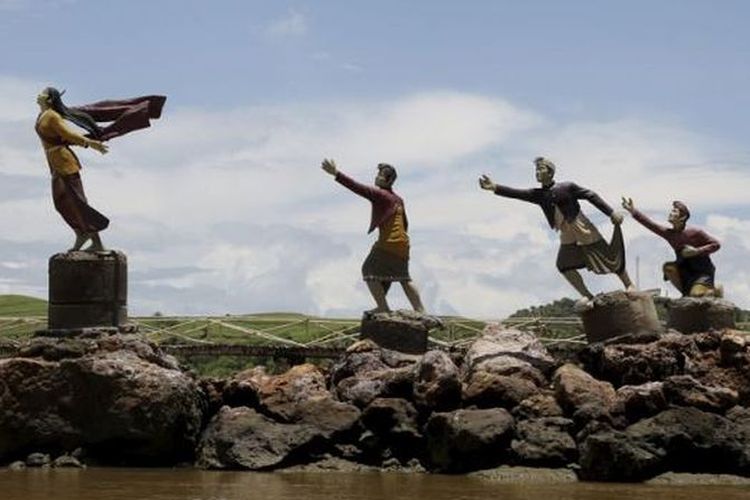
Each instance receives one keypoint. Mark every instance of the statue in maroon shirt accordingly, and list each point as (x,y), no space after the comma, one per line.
(692,273)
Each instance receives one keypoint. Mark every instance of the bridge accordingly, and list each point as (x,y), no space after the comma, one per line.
(287,336)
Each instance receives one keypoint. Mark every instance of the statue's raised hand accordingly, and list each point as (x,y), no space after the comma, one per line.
(486,183)
(329,166)
(627,204)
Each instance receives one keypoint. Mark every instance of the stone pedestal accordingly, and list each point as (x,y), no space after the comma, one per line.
(619,313)
(692,315)
(404,331)
(87,290)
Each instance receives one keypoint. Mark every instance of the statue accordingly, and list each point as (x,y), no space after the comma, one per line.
(581,245)
(692,272)
(57,138)
(388,260)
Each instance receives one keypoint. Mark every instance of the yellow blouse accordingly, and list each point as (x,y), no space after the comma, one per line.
(56,136)
(393,237)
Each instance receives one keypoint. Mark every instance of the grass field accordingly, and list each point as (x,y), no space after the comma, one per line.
(21,306)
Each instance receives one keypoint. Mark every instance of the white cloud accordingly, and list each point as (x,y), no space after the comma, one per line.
(228,211)
(293,24)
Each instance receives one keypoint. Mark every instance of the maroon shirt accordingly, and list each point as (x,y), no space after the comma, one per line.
(384,201)
(701,240)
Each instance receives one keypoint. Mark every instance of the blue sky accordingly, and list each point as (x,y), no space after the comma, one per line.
(221,206)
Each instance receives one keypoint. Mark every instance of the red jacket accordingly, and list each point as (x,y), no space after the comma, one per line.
(384,201)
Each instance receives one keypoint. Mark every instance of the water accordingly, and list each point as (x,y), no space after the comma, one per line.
(162,484)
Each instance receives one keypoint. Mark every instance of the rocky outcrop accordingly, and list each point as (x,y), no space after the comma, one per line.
(505,351)
(117,396)
(637,406)
(465,440)
(437,385)
(679,439)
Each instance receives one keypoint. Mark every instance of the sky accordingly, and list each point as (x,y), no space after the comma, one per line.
(221,206)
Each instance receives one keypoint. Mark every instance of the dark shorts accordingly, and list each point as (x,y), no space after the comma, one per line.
(599,257)
(693,271)
(381,265)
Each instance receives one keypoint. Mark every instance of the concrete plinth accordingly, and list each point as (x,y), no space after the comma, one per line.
(87,290)
(404,331)
(692,315)
(619,313)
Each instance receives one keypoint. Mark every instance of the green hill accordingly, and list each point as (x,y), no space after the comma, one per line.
(20,306)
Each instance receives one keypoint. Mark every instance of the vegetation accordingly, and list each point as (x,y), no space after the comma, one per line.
(20,306)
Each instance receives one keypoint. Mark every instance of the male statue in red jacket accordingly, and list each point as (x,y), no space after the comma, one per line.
(388,260)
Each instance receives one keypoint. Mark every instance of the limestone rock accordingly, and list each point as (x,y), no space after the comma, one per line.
(465,440)
(119,397)
(545,442)
(645,359)
(241,438)
(679,440)
(488,390)
(684,390)
(641,401)
(437,386)
(581,395)
(505,351)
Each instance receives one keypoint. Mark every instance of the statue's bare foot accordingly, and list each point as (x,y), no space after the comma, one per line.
(96,244)
(583,304)
(371,312)
(631,288)
(81,239)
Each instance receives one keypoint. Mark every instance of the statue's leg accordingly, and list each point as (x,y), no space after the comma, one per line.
(96,243)
(413,295)
(81,239)
(378,293)
(575,279)
(672,274)
(625,278)
(700,290)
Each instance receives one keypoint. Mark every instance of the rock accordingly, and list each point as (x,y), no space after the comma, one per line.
(691,315)
(505,351)
(506,474)
(684,390)
(539,405)
(465,440)
(393,417)
(38,460)
(487,390)
(67,461)
(280,396)
(581,395)
(392,429)
(641,401)
(404,331)
(123,400)
(364,357)
(242,388)
(733,348)
(646,359)
(436,382)
(619,313)
(363,389)
(545,442)
(678,439)
(17,465)
(241,438)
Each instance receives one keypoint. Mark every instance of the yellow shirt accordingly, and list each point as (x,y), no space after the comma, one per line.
(56,137)
(393,237)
